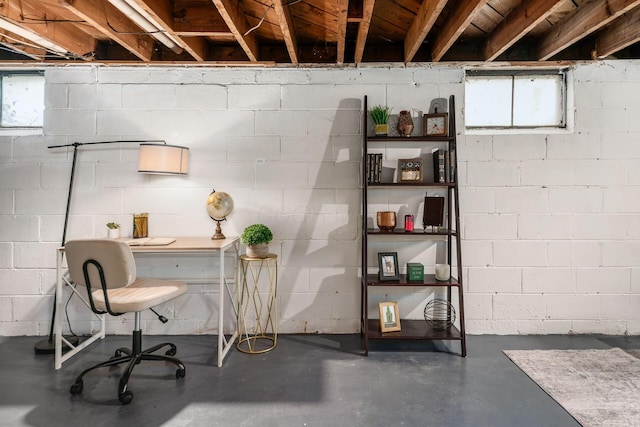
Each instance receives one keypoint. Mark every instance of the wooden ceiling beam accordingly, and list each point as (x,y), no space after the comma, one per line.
(105,17)
(14,43)
(458,21)
(422,24)
(67,36)
(162,13)
(517,24)
(363,29)
(588,18)
(343,15)
(623,32)
(237,23)
(286,26)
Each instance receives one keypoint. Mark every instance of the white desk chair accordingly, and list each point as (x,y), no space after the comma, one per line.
(108,270)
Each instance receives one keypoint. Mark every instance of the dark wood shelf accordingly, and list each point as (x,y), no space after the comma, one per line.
(410,138)
(448,235)
(401,232)
(429,280)
(411,184)
(412,330)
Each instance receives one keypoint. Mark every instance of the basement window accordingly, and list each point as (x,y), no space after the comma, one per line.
(515,99)
(22,100)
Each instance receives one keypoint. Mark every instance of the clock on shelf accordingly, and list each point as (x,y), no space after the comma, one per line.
(435,124)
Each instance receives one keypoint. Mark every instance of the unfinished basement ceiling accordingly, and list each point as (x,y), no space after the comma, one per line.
(304,32)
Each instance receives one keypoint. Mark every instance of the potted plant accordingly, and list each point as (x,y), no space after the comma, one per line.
(380,116)
(257,238)
(113,230)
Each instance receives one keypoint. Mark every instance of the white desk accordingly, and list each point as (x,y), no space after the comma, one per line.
(182,245)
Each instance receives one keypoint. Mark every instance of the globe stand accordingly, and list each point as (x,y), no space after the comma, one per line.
(218,234)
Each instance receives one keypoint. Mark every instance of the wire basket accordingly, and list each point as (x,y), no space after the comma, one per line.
(439,314)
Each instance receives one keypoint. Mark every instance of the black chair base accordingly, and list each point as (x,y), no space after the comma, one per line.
(132,356)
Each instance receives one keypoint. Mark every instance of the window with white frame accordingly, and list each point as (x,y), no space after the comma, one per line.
(22,96)
(515,99)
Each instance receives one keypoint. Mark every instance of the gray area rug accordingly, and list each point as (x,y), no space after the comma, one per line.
(597,387)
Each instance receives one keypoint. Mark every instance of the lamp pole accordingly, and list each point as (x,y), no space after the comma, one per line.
(48,345)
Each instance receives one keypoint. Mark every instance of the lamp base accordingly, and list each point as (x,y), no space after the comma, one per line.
(48,346)
(218,234)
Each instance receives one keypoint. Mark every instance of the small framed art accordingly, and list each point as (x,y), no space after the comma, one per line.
(410,170)
(388,265)
(436,124)
(389,316)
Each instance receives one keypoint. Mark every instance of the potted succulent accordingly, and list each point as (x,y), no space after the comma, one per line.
(113,229)
(257,238)
(380,116)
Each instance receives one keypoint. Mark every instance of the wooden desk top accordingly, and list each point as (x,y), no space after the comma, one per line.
(189,244)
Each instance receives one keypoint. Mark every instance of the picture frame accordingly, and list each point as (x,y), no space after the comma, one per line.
(436,124)
(388,266)
(389,316)
(410,170)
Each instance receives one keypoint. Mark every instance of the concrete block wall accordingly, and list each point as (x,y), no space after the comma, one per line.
(550,221)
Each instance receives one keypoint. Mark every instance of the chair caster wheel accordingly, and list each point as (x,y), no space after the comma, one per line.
(172,351)
(180,373)
(76,388)
(126,397)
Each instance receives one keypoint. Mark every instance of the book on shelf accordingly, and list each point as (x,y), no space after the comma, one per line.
(439,169)
(374,168)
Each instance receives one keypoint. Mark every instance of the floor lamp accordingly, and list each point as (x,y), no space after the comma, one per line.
(156,157)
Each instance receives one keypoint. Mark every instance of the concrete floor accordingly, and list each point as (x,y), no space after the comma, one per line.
(308,380)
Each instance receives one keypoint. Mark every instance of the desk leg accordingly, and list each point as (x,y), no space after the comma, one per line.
(224,345)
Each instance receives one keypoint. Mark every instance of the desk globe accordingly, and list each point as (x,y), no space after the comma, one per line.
(219,206)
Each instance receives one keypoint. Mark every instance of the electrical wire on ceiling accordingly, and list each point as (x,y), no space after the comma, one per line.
(255,27)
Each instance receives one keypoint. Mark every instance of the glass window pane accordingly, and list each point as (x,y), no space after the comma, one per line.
(22,100)
(488,101)
(538,101)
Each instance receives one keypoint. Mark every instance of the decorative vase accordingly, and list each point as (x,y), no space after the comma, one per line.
(113,233)
(405,123)
(258,251)
(382,129)
(386,220)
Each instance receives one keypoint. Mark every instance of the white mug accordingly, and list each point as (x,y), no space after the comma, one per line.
(443,272)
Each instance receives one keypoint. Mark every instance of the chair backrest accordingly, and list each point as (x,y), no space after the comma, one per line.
(114,257)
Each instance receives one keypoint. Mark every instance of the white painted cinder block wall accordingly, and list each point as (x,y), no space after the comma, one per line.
(551,222)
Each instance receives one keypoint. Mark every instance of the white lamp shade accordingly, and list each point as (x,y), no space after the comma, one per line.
(164,159)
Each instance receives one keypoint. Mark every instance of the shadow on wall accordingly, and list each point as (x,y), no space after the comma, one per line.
(332,297)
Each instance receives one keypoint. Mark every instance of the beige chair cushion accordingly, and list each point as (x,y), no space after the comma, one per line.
(126,292)
(140,295)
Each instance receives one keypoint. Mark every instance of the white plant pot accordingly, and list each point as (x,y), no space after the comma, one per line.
(258,251)
(113,233)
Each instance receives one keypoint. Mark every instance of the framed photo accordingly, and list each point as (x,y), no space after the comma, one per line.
(410,170)
(388,265)
(436,124)
(389,316)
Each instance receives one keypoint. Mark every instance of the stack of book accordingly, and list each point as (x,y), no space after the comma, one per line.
(444,166)
(374,168)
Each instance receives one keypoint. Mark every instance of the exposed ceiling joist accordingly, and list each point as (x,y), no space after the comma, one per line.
(422,24)
(517,24)
(363,29)
(298,32)
(343,15)
(588,18)
(42,22)
(286,26)
(620,34)
(237,23)
(459,20)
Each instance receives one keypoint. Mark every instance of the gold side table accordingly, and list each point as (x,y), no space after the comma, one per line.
(258,308)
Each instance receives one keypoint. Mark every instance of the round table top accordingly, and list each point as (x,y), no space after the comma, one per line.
(249,258)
